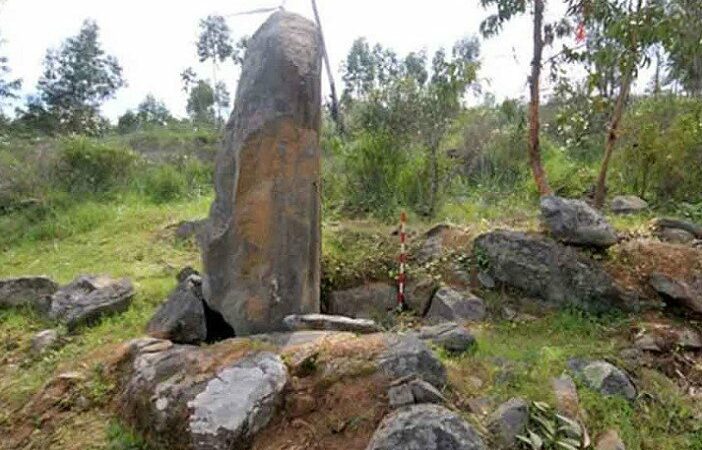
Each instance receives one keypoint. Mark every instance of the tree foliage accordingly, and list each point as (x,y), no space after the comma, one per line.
(9,86)
(78,78)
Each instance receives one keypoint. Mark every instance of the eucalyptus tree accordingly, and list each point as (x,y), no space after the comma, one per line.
(9,86)
(78,77)
(215,44)
(543,34)
(683,45)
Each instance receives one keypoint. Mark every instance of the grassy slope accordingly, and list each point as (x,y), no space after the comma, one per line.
(132,239)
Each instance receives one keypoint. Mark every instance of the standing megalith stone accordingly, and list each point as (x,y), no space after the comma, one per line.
(261,244)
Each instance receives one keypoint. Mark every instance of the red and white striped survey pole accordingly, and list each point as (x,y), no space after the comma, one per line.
(403,261)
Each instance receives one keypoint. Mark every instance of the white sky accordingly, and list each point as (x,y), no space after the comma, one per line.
(154,40)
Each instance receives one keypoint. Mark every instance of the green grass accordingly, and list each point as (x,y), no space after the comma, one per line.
(520,359)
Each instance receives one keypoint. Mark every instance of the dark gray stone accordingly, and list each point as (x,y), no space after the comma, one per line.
(413,391)
(181,319)
(406,355)
(508,421)
(185,273)
(676,236)
(677,292)
(419,294)
(261,244)
(575,222)
(543,268)
(628,204)
(425,427)
(88,298)
(603,377)
(433,246)
(26,291)
(369,301)
(449,335)
(692,228)
(325,322)
(451,305)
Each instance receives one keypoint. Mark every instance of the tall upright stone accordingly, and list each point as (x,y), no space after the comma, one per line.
(261,244)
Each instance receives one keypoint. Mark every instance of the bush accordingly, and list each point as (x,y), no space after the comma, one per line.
(165,183)
(87,166)
(660,152)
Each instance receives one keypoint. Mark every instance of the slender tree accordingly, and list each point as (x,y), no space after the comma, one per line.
(9,87)
(542,35)
(214,44)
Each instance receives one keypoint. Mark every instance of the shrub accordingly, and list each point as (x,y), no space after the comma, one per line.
(164,183)
(88,166)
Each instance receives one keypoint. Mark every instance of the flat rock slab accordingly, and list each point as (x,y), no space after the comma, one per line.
(450,336)
(603,377)
(88,298)
(451,305)
(181,318)
(628,204)
(261,244)
(26,291)
(363,302)
(677,292)
(577,223)
(425,427)
(323,322)
(543,268)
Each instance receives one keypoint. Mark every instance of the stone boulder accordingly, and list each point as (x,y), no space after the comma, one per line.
(425,427)
(675,236)
(661,337)
(181,319)
(44,340)
(603,377)
(26,291)
(508,421)
(369,301)
(577,223)
(419,293)
(261,244)
(543,268)
(675,224)
(88,298)
(183,397)
(412,391)
(676,292)
(450,336)
(406,355)
(566,394)
(628,204)
(323,322)
(453,306)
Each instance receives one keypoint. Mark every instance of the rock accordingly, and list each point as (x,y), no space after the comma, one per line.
(543,268)
(185,273)
(414,391)
(419,294)
(486,280)
(29,291)
(509,421)
(44,340)
(425,427)
(310,322)
(566,394)
(575,222)
(433,246)
(452,337)
(676,236)
(676,292)
(364,302)
(692,228)
(261,244)
(610,440)
(188,229)
(658,337)
(603,377)
(451,305)
(181,319)
(88,298)
(406,355)
(627,204)
(186,397)
(238,402)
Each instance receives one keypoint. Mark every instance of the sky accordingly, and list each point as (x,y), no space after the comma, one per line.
(154,40)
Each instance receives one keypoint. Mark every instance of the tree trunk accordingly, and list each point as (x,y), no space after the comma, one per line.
(611,138)
(336,114)
(434,185)
(534,86)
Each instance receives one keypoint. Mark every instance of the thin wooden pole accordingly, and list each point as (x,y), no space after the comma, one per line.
(336,114)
